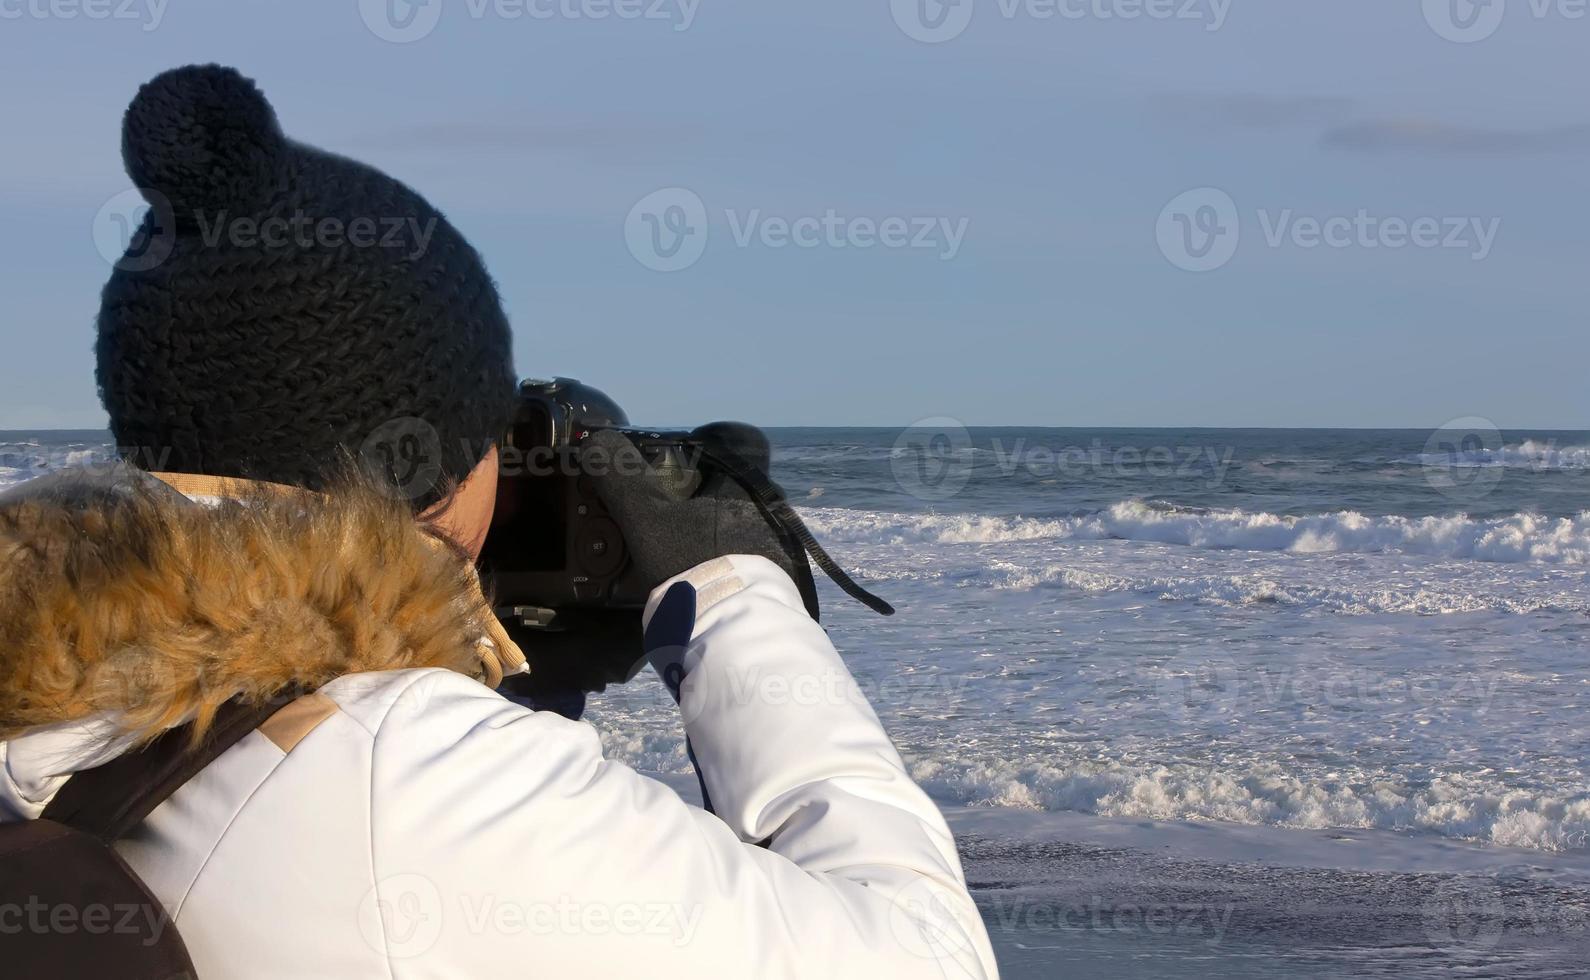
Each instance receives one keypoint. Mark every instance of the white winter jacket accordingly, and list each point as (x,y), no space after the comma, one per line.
(412,823)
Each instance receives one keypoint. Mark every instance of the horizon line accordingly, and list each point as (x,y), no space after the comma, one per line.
(685,427)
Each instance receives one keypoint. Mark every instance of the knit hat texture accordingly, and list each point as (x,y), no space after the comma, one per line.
(282,308)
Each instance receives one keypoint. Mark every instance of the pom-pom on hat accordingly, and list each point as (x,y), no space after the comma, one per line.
(301,306)
(205,138)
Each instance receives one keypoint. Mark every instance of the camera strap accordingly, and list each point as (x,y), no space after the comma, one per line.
(776,509)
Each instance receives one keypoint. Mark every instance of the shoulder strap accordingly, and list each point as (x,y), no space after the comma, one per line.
(110,800)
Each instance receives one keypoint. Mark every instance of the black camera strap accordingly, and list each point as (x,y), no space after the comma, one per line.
(775,507)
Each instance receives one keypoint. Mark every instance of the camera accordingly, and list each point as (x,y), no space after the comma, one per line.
(557,562)
(553,547)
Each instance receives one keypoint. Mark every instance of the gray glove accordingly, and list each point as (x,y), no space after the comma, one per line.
(679,512)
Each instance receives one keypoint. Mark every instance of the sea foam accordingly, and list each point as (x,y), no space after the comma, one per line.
(1457,807)
(1528,454)
(1517,538)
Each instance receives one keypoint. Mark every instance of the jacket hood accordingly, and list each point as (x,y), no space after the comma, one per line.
(121,597)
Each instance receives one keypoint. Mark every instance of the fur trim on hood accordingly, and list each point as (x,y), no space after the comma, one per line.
(124,597)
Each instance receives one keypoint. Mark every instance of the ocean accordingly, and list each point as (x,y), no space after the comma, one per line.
(1239,702)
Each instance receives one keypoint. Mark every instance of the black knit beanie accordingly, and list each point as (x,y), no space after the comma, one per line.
(283,309)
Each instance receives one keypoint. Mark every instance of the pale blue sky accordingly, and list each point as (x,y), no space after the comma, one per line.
(1058,141)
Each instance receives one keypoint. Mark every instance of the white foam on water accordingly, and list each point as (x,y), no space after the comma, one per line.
(1518,538)
(1059,634)
(1457,807)
(23,461)
(639,730)
(1364,598)
(1529,454)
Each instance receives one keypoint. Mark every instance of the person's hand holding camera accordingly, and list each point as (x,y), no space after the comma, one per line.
(677,514)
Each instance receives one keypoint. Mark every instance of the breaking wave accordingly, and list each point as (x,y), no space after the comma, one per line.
(1518,538)
(1453,806)
(1529,455)
(1458,807)
(23,461)
(1364,598)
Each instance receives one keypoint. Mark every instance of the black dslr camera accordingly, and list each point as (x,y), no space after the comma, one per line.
(556,561)
(553,547)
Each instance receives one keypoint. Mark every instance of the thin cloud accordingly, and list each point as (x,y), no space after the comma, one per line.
(487,137)
(1257,111)
(1425,136)
(1334,119)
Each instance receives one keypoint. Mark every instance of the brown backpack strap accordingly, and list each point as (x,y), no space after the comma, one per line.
(110,800)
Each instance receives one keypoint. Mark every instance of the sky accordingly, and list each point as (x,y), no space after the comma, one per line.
(1360,213)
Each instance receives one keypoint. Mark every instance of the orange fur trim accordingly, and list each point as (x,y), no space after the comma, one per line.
(158,610)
